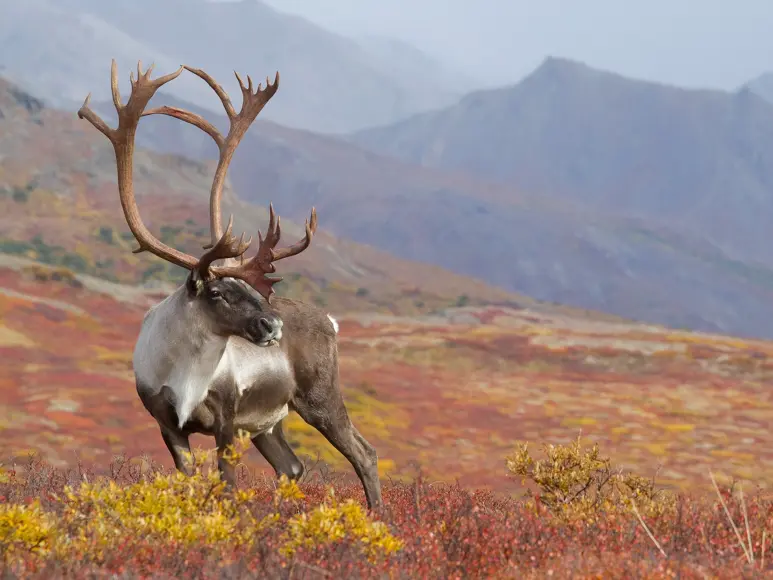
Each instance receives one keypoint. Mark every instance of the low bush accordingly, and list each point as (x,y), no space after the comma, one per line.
(583,519)
(575,482)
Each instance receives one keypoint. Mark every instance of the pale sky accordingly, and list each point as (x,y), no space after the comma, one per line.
(692,43)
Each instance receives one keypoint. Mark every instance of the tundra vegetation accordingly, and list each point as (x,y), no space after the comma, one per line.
(525,376)
(581,517)
(452,396)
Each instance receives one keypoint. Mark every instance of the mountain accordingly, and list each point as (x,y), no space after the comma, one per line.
(761,85)
(405,60)
(699,161)
(59,205)
(61,50)
(554,250)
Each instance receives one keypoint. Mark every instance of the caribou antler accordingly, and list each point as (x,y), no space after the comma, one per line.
(122,138)
(253,101)
(223,245)
(253,271)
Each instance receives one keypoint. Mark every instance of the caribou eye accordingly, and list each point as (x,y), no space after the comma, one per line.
(215,294)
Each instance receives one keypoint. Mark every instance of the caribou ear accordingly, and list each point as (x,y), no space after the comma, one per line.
(194,283)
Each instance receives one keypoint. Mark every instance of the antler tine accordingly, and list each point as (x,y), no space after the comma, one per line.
(298,247)
(266,246)
(220,91)
(225,248)
(191,118)
(122,139)
(252,104)
(114,90)
(254,270)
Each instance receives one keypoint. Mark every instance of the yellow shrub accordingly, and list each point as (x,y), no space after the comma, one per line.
(333,521)
(183,510)
(577,483)
(287,490)
(169,508)
(25,527)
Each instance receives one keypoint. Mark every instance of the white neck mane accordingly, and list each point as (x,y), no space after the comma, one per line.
(176,349)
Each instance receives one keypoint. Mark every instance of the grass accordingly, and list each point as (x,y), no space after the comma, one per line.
(580,518)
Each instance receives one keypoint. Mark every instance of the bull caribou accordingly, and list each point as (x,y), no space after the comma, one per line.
(219,355)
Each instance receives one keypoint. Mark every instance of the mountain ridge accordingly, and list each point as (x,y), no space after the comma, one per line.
(330,82)
(636,148)
(551,249)
(58,204)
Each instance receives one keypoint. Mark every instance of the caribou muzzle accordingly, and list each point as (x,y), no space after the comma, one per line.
(265,330)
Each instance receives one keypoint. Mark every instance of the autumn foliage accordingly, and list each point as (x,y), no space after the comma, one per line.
(582,518)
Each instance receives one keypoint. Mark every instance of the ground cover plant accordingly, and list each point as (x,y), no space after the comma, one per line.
(582,518)
(440,371)
(451,392)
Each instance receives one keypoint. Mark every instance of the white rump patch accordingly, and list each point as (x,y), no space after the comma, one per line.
(335,323)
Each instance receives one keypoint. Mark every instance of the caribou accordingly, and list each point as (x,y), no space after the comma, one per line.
(220,355)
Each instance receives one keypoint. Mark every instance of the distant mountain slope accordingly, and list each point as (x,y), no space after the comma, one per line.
(403,59)
(61,50)
(701,161)
(59,205)
(552,250)
(761,85)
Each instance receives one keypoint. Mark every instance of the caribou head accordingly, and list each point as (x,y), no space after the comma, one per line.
(219,354)
(226,307)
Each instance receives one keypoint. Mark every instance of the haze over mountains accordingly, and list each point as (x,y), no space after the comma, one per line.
(59,205)
(592,190)
(574,185)
(61,50)
(699,161)
(761,85)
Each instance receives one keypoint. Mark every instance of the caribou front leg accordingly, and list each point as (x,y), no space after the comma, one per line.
(180,448)
(224,438)
(274,447)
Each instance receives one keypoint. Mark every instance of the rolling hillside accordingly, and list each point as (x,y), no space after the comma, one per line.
(58,50)
(451,393)
(556,249)
(58,204)
(761,85)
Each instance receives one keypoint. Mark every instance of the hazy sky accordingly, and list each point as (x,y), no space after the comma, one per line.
(694,43)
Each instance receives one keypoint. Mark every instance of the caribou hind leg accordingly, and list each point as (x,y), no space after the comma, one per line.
(274,447)
(328,415)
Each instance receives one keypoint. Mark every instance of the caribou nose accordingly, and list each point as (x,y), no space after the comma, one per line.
(266,329)
(267,326)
